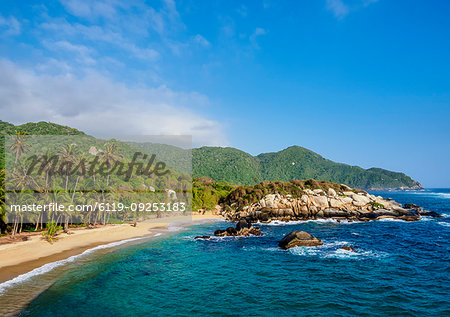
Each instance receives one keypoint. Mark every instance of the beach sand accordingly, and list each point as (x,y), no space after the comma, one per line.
(20,257)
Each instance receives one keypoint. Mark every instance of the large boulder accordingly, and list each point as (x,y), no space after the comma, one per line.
(331,192)
(335,203)
(345,200)
(299,239)
(231,231)
(360,200)
(321,202)
(243,224)
(269,201)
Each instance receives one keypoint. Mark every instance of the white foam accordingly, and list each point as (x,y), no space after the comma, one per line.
(50,266)
(332,250)
(174,228)
(335,243)
(445,224)
(304,251)
(345,254)
(391,220)
(281,223)
(297,222)
(443,195)
(427,193)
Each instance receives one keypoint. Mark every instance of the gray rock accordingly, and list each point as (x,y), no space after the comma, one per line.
(299,238)
(348,248)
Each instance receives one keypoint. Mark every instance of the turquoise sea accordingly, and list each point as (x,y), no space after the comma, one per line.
(402,268)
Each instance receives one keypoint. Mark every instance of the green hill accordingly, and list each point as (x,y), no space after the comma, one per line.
(295,162)
(238,167)
(226,164)
(38,128)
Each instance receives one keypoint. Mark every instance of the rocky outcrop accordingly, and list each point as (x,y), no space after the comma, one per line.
(348,248)
(421,211)
(203,237)
(348,204)
(299,239)
(243,228)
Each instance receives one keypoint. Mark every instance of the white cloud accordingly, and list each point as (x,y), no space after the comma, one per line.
(100,106)
(96,33)
(339,8)
(242,10)
(368,2)
(200,40)
(123,24)
(253,37)
(82,53)
(91,9)
(9,26)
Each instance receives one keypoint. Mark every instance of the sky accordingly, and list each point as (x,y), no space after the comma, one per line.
(363,82)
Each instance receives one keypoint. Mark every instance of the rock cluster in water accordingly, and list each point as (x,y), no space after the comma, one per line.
(348,248)
(243,228)
(348,205)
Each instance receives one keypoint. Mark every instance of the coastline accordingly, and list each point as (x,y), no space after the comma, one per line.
(21,257)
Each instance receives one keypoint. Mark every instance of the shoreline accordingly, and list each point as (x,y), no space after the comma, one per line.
(19,258)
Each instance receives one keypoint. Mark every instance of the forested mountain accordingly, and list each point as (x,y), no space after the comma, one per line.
(295,162)
(238,167)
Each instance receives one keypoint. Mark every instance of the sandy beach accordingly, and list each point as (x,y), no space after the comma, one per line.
(20,257)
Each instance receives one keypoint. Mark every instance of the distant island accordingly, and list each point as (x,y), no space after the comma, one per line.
(238,167)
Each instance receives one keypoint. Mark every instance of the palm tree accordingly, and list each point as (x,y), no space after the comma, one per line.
(109,156)
(47,156)
(68,155)
(22,181)
(25,184)
(19,146)
(78,160)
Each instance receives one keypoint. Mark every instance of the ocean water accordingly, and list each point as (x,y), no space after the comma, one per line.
(402,268)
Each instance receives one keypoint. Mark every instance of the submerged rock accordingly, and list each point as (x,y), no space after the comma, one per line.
(420,211)
(299,239)
(348,248)
(203,237)
(428,213)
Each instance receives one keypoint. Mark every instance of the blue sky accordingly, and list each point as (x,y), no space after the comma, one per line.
(363,82)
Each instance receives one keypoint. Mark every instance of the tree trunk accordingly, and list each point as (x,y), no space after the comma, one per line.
(21,225)
(66,224)
(75,188)
(14,230)
(37,222)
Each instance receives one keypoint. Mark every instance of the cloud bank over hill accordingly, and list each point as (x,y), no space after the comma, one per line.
(97,65)
(101,106)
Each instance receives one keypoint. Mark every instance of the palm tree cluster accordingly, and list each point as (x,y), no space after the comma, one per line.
(49,187)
